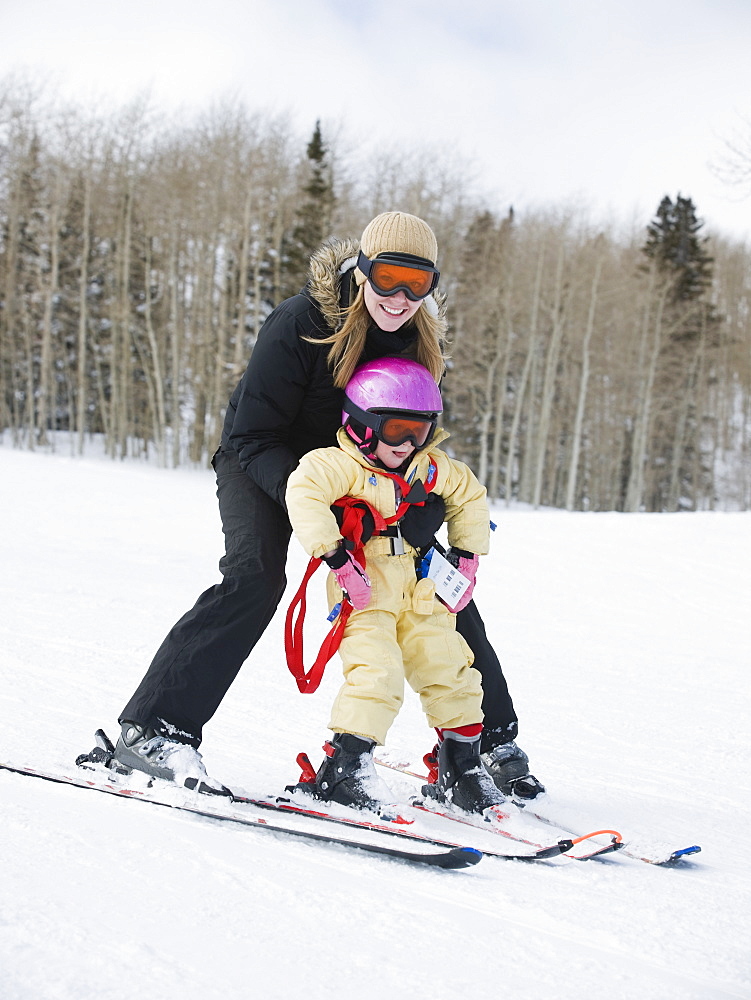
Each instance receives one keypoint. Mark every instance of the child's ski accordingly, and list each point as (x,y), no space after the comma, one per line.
(492,821)
(650,854)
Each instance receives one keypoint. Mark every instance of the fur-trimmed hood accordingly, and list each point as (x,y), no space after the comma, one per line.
(331,278)
(331,281)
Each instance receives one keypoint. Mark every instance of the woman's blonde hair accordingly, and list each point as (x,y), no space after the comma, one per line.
(348,343)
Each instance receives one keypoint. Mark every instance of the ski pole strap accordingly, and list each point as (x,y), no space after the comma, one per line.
(308,681)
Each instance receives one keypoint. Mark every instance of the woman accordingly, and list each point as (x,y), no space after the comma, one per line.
(288,402)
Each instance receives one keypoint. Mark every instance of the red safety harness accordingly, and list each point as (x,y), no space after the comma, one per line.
(353,512)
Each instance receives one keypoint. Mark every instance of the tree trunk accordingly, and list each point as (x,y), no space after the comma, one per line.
(548,388)
(155,373)
(581,402)
(503,353)
(635,489)
(524,379)
(82,389)
(46,391)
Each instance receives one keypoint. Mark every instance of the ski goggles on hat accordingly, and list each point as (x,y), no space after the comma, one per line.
(394,428)
(390,273)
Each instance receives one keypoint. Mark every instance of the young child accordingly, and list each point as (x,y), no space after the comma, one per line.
(397,628)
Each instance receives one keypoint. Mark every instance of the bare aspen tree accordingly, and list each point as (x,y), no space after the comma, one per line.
(651,344)
(83,325)
(154,371)
(581,401)
(478,340)
(9,314)
(175,339)
(733,165)
(524,378)
(558,322)
(502,355)
(46,387)
(239,359)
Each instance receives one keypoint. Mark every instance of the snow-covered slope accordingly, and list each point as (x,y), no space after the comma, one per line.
(625,640)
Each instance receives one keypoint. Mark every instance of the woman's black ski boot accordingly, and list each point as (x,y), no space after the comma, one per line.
(462,778)
(508,766)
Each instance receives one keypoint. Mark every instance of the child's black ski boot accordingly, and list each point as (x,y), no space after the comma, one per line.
(348,775)
(462,778)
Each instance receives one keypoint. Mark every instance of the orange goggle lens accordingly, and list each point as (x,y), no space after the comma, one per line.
(396,430)
(390,273)
(389,278)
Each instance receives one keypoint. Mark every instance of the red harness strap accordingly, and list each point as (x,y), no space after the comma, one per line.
(353,512)
(308,681)
(351,529)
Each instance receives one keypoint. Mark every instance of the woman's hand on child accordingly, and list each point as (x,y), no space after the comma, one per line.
(421,522)
(350,576)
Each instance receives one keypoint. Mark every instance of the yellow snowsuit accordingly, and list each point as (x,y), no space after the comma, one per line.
(393,637)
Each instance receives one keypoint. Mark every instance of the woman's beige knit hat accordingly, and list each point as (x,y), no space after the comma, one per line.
(397,232)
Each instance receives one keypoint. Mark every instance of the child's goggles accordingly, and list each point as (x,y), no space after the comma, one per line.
(390,273)
(394,431)
(394,428)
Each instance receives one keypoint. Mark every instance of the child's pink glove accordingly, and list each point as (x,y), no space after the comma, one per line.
(467,564)
(350,576)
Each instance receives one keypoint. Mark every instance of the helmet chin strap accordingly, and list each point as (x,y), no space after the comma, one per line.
(366,445)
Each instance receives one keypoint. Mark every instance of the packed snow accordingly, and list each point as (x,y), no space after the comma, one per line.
(625,640)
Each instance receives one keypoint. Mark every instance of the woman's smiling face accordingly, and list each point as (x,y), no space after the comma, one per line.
(389,311)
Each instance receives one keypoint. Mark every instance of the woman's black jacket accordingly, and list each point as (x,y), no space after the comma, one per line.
(286,403)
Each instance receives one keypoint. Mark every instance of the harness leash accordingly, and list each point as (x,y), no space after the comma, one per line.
(353,513)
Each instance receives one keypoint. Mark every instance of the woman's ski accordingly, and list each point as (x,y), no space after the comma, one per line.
(650,855)
(448,856)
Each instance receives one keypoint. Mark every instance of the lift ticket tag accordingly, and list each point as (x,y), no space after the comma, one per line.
(450,584)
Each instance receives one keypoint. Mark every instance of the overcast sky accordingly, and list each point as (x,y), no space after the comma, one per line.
(608,104)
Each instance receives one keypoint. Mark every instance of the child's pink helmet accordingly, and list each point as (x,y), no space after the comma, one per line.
(389,398)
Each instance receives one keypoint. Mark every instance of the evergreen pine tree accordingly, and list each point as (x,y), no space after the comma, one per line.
(313,218)
(685,328)
(674,244)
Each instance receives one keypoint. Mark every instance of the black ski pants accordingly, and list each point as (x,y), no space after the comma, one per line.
(202,654)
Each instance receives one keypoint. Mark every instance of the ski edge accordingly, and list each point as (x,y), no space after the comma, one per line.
(455,857)
(102,754)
